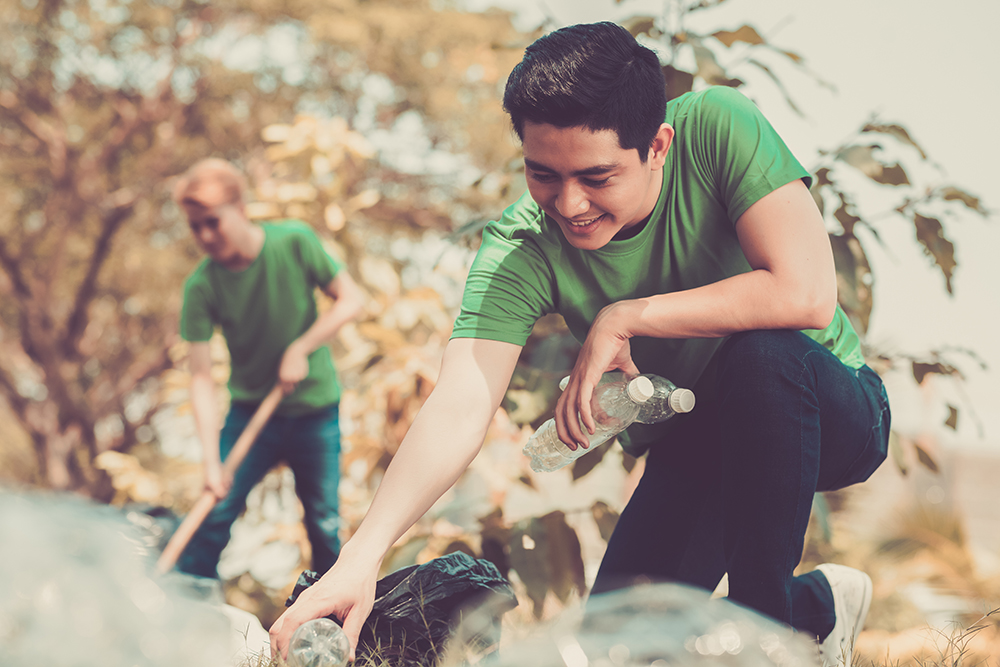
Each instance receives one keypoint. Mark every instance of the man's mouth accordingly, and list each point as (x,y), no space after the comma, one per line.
(580,224)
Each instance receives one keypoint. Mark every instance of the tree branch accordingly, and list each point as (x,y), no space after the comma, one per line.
(113,218)
(12,268)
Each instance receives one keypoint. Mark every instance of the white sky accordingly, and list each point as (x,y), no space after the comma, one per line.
(930,67)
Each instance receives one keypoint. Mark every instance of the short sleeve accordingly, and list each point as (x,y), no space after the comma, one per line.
(747,157)
(319,265)
(197,323)
(509,286)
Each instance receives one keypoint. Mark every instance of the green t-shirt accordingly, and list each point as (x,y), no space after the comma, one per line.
(724,157)
(261,310)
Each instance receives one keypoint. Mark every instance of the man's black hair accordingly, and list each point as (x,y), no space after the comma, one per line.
(590,75)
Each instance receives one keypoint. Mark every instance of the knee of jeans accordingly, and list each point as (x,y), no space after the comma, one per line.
(752,354)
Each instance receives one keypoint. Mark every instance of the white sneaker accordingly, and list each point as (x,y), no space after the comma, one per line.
(852,595)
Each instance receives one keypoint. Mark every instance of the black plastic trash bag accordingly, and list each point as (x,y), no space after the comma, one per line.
(417,609)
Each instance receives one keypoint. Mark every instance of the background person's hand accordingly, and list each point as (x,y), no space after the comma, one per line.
(294,368)
(217,482)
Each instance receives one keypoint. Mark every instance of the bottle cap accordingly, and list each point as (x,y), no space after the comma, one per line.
(682,400)
(640,389)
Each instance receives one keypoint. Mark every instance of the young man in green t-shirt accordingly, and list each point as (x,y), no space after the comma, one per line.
(258,285)
(678,239)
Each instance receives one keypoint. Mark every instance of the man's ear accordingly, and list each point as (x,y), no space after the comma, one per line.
(661,144)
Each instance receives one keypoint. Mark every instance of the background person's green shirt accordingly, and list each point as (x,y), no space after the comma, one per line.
(724,157)
(261,310)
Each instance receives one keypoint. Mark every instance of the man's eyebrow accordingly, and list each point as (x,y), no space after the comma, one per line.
(596,170)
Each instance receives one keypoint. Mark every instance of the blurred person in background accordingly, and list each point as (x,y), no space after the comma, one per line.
(257,284)
(679,239)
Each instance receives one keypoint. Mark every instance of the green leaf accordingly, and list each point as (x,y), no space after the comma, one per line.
(926,459)
(495,539)
(641,25)
(951,193)
(821,510)
(709,68)
(823,177)
(605,518)
(589,461)
(744,33)
(897,453)
(678,81)
(705,4)
(863,159)
(854,279)
(566,572)
(628,461)
(897,131)
(930,233)
(893,175)
(781,86)
(952,420)
(529,557)
(921,370)
(791,55)
(844,216)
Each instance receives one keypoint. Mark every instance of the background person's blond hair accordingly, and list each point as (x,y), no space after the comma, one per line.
(204,182)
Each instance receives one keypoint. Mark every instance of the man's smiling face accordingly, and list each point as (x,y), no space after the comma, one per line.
(591,186)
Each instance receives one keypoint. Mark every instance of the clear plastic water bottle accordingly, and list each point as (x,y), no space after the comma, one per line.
(667,400)
(614,405)
(319,643)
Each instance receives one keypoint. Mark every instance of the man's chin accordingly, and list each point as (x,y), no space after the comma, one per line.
(594,241)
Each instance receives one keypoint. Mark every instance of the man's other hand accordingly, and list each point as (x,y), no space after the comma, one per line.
(294,368)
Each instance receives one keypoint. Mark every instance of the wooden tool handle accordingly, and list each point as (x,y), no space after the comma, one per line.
(184,533)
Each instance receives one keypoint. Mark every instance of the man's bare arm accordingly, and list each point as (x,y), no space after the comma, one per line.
(204,405)
(793,285)
(446,435)
(348,303)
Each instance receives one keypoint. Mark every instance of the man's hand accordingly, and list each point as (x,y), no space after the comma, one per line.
(294,367)
(605,349)
(347,591)
(217,482)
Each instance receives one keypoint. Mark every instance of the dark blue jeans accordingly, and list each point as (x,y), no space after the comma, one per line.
(310,445)
(730,486)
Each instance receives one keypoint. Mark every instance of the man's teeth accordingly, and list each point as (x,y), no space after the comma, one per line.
(583,223)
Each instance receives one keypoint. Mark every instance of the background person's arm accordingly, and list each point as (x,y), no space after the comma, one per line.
(793,285)
(205,407)
(445,436)
(348,303)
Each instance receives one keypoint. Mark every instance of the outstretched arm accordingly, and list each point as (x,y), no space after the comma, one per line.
(348,303)
(446,435)
(206,417)
(793,285)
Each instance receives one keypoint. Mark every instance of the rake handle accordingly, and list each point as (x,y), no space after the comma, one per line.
(184,533)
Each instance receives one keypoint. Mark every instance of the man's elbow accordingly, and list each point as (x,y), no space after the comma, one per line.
(817,309)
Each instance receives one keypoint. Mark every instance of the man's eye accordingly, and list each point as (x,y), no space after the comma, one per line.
(541,177)
(596,183)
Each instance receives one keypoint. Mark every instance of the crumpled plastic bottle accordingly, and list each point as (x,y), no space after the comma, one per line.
(319,643)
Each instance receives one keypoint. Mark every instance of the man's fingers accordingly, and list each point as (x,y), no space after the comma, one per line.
(353,623)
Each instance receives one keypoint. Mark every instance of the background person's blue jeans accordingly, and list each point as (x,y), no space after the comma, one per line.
(310,445)
(730,487)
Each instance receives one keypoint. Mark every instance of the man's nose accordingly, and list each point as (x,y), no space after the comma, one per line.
(571,201)
(205,234)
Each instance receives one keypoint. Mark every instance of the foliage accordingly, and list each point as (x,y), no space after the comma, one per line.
(378,123)
(858,185)
(100,102)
